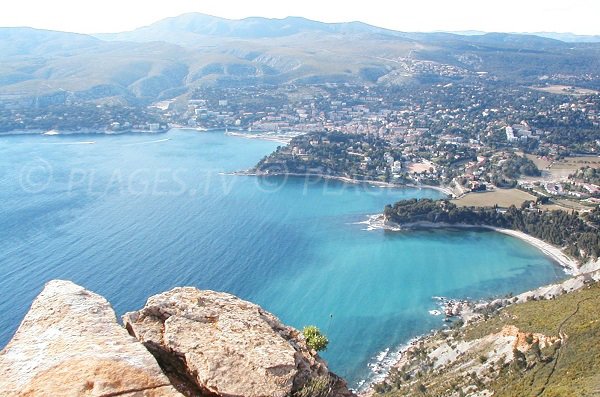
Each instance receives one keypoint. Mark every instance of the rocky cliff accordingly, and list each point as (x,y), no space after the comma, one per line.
(70,344)
(226,346)
(183,342)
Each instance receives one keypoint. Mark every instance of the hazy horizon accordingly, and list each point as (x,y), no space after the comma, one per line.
(511,16)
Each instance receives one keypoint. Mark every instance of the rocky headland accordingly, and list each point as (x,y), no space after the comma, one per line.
(184,342)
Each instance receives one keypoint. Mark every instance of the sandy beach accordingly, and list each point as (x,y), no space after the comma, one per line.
(265,137)
(570,265)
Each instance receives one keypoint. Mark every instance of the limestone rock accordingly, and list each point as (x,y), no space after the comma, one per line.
(227,346)
(69,344)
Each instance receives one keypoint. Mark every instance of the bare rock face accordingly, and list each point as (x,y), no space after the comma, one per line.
(69,344)
(225,346)
(206,344)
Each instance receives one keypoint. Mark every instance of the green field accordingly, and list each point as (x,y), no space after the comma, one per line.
(501,197)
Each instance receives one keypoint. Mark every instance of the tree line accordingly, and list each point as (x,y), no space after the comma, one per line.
(577,233)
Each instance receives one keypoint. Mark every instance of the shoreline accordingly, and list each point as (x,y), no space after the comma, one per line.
(570,265)
(576,280)
(83,131)
(262,136)
(442,189)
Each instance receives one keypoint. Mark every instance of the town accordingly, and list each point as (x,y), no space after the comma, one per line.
(507,143)
(517,143)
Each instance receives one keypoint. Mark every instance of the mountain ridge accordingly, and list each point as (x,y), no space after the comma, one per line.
(176,55)
(246,28)
(205,24)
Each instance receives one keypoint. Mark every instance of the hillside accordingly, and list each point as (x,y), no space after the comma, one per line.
(173,56)
(59,66)
(546,347)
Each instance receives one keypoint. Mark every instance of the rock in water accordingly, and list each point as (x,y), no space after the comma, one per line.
(226,346)
(69,344)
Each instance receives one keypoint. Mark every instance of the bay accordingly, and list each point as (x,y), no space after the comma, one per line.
(129,216)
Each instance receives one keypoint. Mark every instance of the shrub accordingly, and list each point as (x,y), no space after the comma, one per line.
(316,387)
(382,387)
(314,338)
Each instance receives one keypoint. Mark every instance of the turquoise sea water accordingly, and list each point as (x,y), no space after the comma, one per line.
(134,215)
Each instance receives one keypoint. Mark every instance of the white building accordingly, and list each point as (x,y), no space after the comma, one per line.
(510,135)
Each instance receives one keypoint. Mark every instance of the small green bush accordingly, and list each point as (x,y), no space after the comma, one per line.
(314,338)
(316,387)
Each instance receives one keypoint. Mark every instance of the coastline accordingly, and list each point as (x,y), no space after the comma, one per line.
(263,136)
(570,265)
(442,189)
(83,131)
(578,277)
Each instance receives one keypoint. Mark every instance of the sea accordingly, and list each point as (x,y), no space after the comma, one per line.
(132,215)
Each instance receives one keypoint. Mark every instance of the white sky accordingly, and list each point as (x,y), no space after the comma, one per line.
(95,16)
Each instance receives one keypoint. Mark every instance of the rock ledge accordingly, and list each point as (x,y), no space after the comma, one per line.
(69,344)
(184,342)
(227,346)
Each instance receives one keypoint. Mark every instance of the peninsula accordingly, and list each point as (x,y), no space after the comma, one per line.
(577,234)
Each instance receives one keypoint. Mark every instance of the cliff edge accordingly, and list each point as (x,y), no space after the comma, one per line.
(184,342)
(70,344)
(226,346)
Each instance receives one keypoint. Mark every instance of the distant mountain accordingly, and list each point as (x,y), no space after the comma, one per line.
(189,29)
(570,37)
(185,28)
(565,37)
(28,41)
(40,63)
(173,56)
(499,41)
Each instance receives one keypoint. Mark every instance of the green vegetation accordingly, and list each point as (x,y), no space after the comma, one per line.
(335,154)
(567,368)
(317,387)
(515,166)
(587,175)
(578,233)
(314,338)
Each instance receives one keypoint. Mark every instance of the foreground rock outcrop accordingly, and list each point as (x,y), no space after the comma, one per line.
(225,346)
(185,342)
(70,344)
